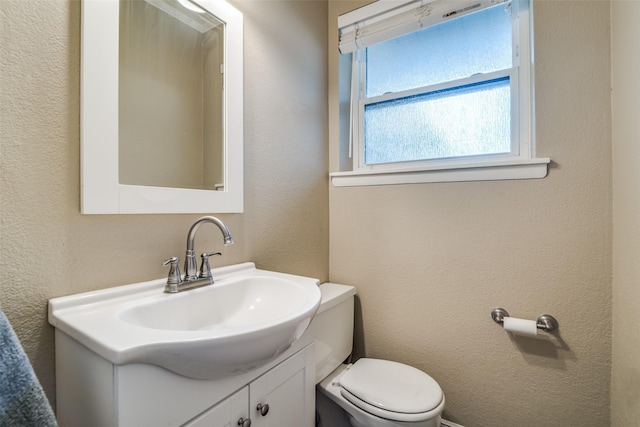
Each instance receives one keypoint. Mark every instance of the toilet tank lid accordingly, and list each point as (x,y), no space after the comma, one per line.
(333,294)
(392,387)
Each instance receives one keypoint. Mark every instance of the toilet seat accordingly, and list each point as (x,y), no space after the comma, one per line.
(391,390)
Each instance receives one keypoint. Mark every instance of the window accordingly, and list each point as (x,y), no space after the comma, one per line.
(440,91)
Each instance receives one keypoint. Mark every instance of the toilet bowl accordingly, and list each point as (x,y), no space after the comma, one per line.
(372,392)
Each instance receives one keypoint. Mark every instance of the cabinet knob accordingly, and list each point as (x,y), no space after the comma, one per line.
(244,423)
(263,408)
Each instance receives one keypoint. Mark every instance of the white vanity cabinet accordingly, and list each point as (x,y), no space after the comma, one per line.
(226,413)
(92,391)
(282,397)
(135,356)
(289,390)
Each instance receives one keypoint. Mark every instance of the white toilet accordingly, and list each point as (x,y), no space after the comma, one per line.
(372,392)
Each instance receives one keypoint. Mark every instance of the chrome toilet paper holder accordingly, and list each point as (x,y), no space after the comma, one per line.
(546,322)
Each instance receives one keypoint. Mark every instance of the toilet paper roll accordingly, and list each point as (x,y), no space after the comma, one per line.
(520,326)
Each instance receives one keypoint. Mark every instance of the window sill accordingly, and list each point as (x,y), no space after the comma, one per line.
(486,171)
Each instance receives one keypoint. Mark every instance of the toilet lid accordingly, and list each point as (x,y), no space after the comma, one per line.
(391,390)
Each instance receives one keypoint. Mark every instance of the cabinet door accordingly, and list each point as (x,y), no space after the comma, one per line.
(289,390)
(224,414)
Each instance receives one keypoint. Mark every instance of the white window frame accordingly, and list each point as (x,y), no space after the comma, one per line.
(520,163)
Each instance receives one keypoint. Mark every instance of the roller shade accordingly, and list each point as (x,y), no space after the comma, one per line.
(386,19)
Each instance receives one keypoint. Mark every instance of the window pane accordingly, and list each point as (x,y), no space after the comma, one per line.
(480,42)
(463,121)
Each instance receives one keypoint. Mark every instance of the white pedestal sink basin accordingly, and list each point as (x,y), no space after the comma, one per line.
(244,320)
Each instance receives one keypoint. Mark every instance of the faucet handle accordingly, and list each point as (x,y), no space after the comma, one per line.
(174,272)
(205,268)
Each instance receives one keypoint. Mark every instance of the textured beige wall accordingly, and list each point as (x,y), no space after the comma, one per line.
(625,65)
(49,249)
(431,261)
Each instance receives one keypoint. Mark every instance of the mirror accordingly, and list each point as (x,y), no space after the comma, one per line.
(170,104)
(161,93)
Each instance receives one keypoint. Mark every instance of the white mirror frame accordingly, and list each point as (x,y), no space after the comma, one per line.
(101,192)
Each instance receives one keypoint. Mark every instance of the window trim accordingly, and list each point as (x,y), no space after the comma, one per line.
(494,170)
(521,163)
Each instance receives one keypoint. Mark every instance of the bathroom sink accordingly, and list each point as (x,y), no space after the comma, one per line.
(244,320)
(235,305)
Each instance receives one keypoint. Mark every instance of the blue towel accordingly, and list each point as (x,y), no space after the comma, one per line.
(22,400)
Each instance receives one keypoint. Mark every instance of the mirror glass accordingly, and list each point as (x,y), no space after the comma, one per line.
(161,123)
(171,57)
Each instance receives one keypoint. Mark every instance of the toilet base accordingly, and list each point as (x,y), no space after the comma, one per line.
(328,414)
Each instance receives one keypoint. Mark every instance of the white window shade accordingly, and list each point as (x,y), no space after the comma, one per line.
(386,19)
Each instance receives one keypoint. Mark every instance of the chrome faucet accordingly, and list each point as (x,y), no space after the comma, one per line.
(193,278)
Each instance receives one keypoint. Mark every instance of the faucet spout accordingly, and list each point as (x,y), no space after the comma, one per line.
(190,263)
(228,240)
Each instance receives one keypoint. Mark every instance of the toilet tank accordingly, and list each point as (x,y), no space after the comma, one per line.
(333,328)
